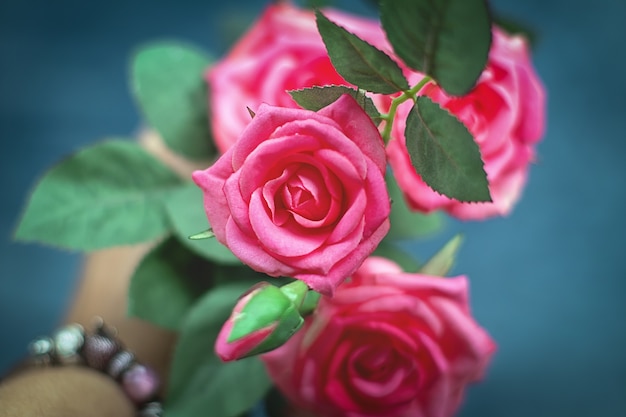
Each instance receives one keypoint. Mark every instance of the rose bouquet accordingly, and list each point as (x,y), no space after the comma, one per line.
(321,143)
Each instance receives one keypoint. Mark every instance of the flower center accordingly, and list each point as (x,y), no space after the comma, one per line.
(305,195)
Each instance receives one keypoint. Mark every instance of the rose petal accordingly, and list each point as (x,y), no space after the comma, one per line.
(356,124)
(250,253)
(281,240)
(211,181)
(266,121)
(347,265)
(268,160)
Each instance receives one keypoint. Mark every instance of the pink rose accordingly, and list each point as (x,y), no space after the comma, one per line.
(282,51)
(301,194)
(388,343)
(505,113)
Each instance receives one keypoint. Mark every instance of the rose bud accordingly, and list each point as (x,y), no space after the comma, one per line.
(263,319)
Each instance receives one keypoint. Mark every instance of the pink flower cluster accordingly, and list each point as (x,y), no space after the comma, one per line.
(302,194)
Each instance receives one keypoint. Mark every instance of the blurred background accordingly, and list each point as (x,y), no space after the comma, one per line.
(549,281)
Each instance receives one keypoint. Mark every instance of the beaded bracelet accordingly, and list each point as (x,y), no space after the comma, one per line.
(103,352)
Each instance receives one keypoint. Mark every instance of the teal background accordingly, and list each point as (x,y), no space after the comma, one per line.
(548,282)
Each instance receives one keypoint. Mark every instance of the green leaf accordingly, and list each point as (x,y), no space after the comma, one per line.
(516,27)
(316,98)
(168,83)
(185,209)
(166,283)
(407,224)
(199,381)
(359,62)
(109,194)
(389,250)
(446,39)
(316,4)
(444,153)
(441,263)
(229,273)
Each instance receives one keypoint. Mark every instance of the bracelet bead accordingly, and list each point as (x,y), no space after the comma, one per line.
(98,350)
(119,363)
(68,341)
(102,351)
(41,350)
(140,383)
(153,409)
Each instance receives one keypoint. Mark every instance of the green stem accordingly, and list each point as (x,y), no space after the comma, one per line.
(405,96)
(310,302)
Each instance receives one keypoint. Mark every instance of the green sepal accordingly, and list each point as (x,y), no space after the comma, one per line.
(111,193)
(448,40)
(207,234)
(296,291)
(167,79)
(316,98)
(167,283)
(283,331)
(199,380)
(265,306)
(442,262)
(358,62)
(444,153)
(185,210)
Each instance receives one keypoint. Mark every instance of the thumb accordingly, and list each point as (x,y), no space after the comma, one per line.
(154,144)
